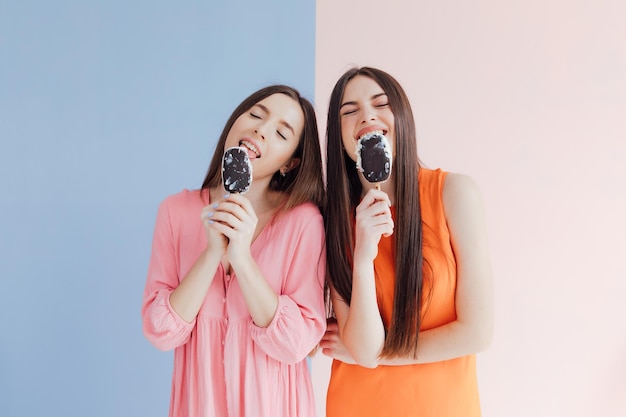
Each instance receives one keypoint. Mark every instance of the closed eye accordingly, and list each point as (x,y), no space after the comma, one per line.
(281,135)
(254,115)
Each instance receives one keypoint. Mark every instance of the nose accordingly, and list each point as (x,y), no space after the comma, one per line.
(260,130)
(368,115)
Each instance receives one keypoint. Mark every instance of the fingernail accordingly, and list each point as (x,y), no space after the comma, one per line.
(226,195)
(211,222)
(214,205)
(209,214)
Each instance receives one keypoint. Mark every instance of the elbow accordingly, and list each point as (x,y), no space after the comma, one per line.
(162,327)
(483,337)
(162,339)
(367,363)
(161,343)
(365,359)
(365,352)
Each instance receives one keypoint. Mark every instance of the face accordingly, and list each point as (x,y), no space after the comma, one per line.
(364,109)
(270,131)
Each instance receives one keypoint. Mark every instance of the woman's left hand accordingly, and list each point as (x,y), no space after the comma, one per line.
(332,345)
(235,218)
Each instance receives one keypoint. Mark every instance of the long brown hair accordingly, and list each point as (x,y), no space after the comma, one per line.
(301,184)
(344,194)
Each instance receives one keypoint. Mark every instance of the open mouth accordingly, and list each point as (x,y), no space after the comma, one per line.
(372,133)
(253,151)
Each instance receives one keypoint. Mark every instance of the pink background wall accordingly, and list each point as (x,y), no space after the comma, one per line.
(529,99)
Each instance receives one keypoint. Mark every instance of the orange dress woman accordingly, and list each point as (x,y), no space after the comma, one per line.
(408,268)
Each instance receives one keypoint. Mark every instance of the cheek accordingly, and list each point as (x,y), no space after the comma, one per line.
(229,141)
(232,135)
(285,150)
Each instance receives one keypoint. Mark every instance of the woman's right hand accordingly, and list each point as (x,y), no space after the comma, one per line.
(216,241)
(332,345)
(373,220)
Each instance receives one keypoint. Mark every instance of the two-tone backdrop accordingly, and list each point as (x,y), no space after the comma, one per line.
(108,107)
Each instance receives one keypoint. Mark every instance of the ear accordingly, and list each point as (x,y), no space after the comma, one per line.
(293,162)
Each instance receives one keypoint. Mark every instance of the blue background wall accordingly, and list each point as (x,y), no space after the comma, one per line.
(105,108)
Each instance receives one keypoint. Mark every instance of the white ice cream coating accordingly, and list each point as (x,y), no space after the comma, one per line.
(236,178)
(384,147)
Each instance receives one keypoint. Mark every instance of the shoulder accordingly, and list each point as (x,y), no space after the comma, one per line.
(184,199)
(462,198)
(302,215)
(305,209)
(459,186)
(183,206)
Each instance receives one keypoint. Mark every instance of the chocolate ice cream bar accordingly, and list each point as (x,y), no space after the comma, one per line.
(374,157)
(236,170)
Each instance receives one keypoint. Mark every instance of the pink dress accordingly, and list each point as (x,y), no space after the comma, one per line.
(225,365)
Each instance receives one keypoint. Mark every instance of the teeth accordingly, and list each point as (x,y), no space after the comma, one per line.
(250,146)
(374,132)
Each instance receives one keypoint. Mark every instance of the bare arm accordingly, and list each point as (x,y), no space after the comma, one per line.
(472,331)
(169,307)
(235,218)
(360,324)
(260,298)
(188,297)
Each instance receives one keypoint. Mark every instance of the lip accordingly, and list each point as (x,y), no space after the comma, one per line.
(371,128)
(254,143)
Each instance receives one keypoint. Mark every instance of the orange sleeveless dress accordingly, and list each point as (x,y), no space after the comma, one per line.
(441,389)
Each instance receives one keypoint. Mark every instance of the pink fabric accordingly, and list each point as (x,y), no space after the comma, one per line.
(224,365)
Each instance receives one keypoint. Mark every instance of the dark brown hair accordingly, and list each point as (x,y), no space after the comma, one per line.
(344,194)
(301,184)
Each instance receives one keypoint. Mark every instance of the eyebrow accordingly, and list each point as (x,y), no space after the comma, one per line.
(284,123)
(354,103)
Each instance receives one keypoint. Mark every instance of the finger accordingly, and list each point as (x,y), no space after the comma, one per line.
(374,195)
(223,229)
(206,210)
(242,202)
(376,209)
(234,209)
(373,233)
(332,326)
(374,215)
(239,199)
(367,224)
(227,218)
(388,233)
(329,337)
(207,218)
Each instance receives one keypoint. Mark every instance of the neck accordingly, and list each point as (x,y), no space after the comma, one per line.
(259,195)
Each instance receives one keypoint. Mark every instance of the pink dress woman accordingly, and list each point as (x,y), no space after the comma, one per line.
(225,365)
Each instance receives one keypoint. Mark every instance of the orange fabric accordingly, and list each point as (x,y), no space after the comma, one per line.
(442,389)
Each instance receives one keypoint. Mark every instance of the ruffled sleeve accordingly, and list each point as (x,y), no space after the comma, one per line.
(162,326)
(300,319)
